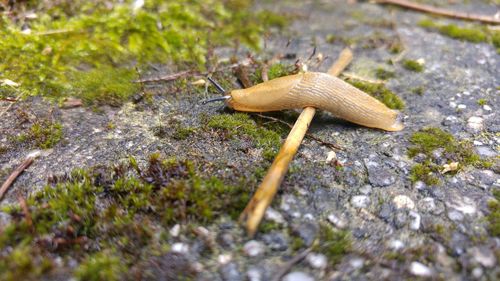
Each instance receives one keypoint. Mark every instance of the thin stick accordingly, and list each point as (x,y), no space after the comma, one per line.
(440,12)
(26,163)
(264,195)
(26,211)
(291,263)
(174,76)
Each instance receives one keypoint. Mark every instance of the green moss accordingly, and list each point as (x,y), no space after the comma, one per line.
(274,71)
(240,124)
(268,226)
(428,140)
(43,134)
(23,263)
(331,38)
(482,101)
(182,133)
(423,172)
(100,266)
(384,74)
(297,243)
(381,93)
(104,85)
(494,215)
(413,65)
(80,40)
(418,90)
(472,33)
(81,214)
(334,244)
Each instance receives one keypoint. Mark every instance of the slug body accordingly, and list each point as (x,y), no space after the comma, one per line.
(319,90)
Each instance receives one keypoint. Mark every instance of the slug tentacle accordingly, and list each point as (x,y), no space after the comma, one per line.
(318,90)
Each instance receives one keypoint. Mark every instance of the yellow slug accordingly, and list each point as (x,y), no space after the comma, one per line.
(319,90)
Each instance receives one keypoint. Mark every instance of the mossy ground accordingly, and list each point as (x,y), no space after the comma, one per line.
(380,92)
(241,125)
(413,65)
(471,33)
(66,219)
(494,216)
(42,134)
(90,49)
(333,243)
(428,141)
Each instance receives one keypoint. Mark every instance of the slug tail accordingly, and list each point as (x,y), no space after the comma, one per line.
(398,123)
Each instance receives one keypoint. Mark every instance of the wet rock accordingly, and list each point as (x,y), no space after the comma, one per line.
(419,269)
(226,240)
(386,211)
(378,175)
(297,276)
(360,201)
(485,151)
(483,255)
(275,241)
(316,260)
(253,248)
(483,179)
(306,230)
(230,272)
(400,219)
(403,202)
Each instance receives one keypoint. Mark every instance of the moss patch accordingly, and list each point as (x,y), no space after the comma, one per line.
(413,65)
(240,124)
(384,74)
(494,216)
(274,71)
(429,140)
(90,49)
(107,218)
(334,244)
(42,134)
(471,33)
(380,92)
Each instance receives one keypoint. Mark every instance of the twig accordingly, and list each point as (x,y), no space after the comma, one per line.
(264,195)
(439,11)
(291,263)
(26,211)
(174,76)
(8,99)
(51,32)
(26,163)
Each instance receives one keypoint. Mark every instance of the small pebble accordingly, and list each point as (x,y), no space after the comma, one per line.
(357,263)
(254,274)
(396,244)
(297,276)
(274,216)
(360,201)
(415,222)
(475,123)
(180,248)
(484,256)
(419,269)
(337,221)
(253,248)
(317,260)
(487,107)
(461,106)
(403,201)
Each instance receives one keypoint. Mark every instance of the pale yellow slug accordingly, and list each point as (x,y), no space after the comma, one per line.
(319,90)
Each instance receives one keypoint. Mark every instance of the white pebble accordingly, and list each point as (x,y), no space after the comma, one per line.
(175,230)
(396,244)
(253,248)
(317,260)
(461,106)
(487,107)
(337,221)
(415,222)
(180,248)
(453,104)
(419,269)
(297,276)
(275,216)
(403,201)
(360,201)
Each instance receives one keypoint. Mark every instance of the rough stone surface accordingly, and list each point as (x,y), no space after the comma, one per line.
(398,229)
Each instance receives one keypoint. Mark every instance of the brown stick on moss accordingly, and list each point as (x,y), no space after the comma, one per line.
(264,195)
(5,186)
(439,11)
